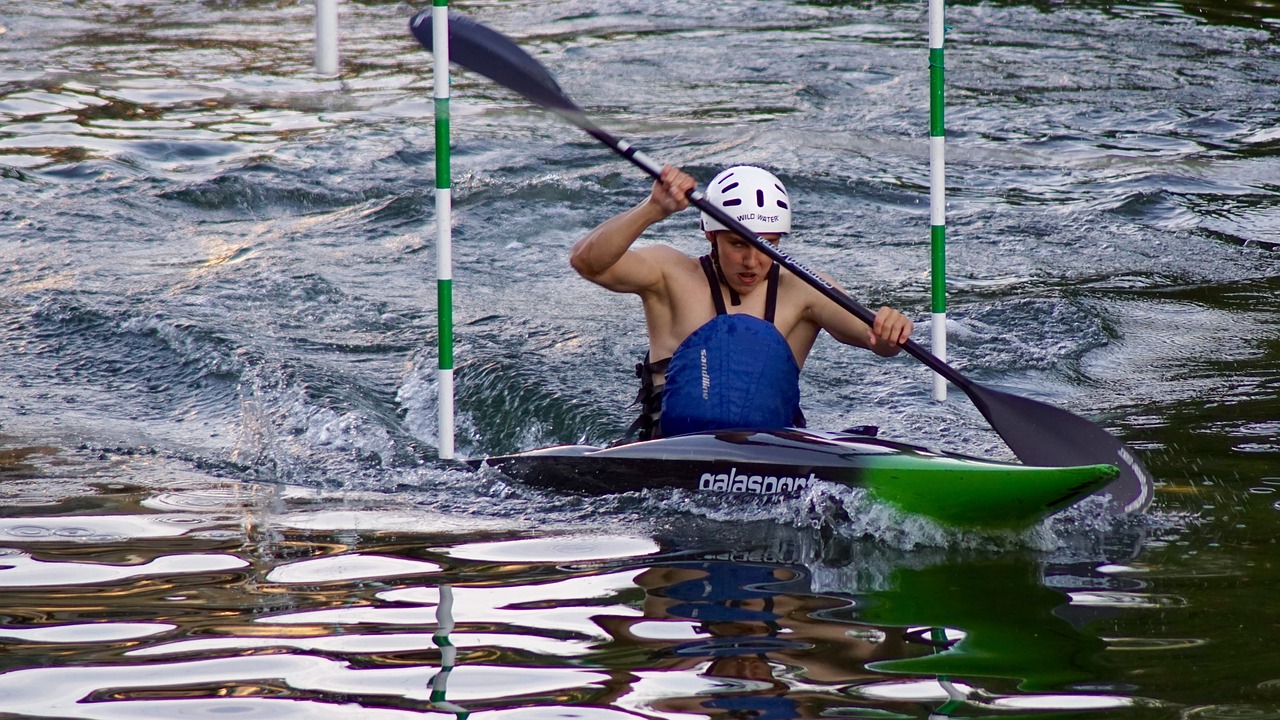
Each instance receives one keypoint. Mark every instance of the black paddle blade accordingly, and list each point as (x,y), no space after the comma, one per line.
(493,55)
(1043,435)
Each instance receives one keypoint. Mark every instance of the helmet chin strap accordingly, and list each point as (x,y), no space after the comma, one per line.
(734,299)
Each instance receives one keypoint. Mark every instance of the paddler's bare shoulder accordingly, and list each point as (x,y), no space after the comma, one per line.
(679,305)
(798,299)
(793,291)
(798,290)
(675,266)
(666,255)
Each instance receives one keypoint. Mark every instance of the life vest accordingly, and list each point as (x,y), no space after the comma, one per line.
(736,371)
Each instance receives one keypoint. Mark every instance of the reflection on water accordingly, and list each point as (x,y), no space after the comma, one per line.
(273,615)
(1014,634)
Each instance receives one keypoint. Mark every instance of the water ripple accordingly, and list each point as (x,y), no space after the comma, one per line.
(23,571)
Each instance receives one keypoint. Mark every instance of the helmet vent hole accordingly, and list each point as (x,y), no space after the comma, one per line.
(732,202)
(759,198)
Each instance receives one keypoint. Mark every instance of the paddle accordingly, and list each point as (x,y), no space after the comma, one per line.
(1039,434)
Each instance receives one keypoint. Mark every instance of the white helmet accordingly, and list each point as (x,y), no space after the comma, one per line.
(753,197)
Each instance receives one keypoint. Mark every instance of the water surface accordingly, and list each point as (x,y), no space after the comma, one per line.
(220,489)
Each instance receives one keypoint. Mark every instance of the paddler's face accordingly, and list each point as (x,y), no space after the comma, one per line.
(745,267)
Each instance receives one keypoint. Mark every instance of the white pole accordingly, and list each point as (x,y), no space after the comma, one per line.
(327,37)
(444,227)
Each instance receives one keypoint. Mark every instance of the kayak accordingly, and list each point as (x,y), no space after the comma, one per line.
(950,489)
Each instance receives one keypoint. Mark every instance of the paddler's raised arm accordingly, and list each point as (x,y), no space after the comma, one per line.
(605,257)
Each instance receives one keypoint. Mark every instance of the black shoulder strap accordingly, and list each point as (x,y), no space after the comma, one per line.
(714,283)
(771,298)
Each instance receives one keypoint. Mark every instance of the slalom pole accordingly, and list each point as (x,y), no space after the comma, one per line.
(444,229)
(448,656)
(327,37)
(955,696)
(937,195)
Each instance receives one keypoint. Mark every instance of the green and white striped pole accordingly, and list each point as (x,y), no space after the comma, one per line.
(448,656)
(937,194)
(444,227)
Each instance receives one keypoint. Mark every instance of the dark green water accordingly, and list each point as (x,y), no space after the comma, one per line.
(219,492)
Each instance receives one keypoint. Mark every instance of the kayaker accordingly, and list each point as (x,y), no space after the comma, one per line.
(729,330)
